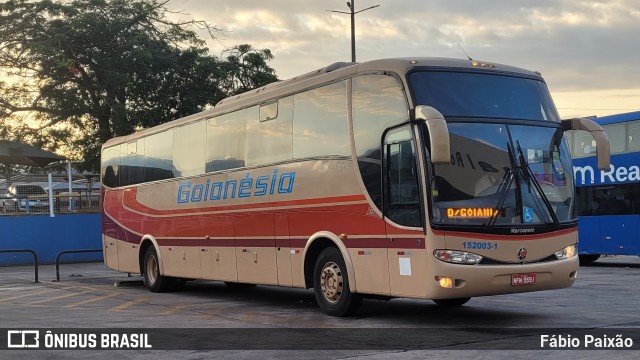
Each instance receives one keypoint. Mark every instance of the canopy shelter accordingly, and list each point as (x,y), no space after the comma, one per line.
(13,153)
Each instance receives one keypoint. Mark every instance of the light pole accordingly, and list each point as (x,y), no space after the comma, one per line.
(353,12)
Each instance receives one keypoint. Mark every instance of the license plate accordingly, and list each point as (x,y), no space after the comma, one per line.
(523,279)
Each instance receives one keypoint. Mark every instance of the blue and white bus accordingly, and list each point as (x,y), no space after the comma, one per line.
(608,202)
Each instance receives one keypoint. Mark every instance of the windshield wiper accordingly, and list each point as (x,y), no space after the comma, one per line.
(505,185)
(530,177)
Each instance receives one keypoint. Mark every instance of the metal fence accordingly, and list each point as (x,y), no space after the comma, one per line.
(24,194)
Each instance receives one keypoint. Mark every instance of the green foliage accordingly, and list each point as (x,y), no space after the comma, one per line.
(79,72)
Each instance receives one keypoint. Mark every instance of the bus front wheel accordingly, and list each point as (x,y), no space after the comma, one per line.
(331,285)
(452,302)
(155,282)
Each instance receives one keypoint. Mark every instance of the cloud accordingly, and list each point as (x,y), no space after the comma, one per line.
(578,45)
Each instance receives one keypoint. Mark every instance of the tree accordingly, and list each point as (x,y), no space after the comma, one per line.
(79,72)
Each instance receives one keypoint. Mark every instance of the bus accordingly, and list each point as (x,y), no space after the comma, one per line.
(608,201)
(405,177)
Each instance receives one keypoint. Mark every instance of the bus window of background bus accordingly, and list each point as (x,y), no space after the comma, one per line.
(320,126)
(378,103)
(633,136)
(583,144)
(158,156)
(269,139)
(616,135)
(226,141)
(189,149)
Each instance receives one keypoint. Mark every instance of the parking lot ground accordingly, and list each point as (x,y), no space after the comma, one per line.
(604,296)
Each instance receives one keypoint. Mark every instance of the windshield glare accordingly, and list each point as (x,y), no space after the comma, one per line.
(503,175)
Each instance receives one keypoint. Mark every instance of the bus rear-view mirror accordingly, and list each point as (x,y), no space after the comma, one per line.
(438,133)
(600,137)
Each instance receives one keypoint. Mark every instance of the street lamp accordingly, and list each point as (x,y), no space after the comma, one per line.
(353,13)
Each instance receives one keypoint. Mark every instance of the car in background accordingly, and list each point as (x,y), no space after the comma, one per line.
(25,197)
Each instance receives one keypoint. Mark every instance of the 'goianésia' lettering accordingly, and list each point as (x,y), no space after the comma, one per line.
(277,183)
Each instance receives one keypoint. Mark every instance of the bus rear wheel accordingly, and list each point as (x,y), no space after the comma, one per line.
(155,282)
(331,285)
(452,302)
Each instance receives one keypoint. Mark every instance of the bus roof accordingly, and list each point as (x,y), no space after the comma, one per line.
(618,118)
(333,72)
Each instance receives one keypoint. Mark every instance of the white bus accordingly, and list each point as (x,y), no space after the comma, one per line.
(420,178)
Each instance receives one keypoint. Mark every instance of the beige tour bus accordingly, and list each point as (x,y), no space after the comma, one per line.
(426,178)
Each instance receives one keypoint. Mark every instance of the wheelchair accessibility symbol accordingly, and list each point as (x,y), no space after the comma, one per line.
(527,215)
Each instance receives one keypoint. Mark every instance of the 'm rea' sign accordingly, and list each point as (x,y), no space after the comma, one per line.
(621,170)
(585,175)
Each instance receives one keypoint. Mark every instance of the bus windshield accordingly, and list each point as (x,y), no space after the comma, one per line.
(503,174)
(464,94)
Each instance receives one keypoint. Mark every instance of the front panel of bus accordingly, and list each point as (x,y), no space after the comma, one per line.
(501,214)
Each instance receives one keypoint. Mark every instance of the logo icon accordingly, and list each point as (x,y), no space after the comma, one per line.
(522,253)
(23,339)
(527,215)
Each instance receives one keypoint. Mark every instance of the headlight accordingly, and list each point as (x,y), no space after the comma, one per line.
(457,257)
(569,251)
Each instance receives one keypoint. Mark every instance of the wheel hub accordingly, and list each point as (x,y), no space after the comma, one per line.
(331,282)
(152,269)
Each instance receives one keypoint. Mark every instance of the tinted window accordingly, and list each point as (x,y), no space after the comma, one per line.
(320,126)
(189,149)
(158,160)
(633,137)
(619,199)
(403,198)
(378,102)
(225,141)
(583,144)
(270,141)
(131,163)
(110,165)
(616,135)
(458,94)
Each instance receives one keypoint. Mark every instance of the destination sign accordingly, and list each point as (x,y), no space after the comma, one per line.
(471,212)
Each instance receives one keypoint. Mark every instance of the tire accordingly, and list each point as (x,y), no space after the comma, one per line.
(331,285)
(588,259)
(155,282)
(452,302)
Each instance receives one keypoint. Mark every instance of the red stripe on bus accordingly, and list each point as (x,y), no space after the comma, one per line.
(130,200)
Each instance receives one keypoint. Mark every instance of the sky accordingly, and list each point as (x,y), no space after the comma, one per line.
(587,50)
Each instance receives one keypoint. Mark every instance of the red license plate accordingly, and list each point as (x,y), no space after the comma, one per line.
(523,279)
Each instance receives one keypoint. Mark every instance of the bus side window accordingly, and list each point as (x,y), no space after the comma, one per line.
(633,136)
(403,199)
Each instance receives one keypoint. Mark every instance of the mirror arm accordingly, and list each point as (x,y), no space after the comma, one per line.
(603,151)
(438,132)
